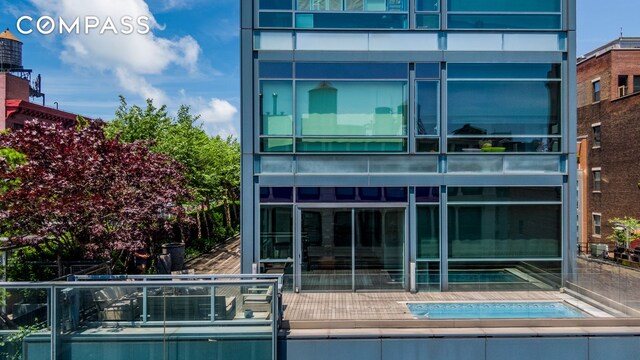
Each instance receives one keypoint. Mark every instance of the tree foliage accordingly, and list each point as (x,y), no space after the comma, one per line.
(85,195)
(624,230)
(212,163)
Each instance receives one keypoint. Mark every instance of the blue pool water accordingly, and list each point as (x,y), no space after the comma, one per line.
(494,310)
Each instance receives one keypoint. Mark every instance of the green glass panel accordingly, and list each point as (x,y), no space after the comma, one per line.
(319,5)
(427,5)
(353,108)
(351,145)
(504,275)
(276,232)
(504,5)
(515,21)
(276,145)
(428,21)
(428,241)
(277,107)
(346,20)
(504,231)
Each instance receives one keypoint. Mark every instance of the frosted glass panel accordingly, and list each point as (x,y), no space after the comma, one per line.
(404,165)
(532,164)
(276,165)
(531,42)
(332,41)
(354,108)
(400,42)
(474,42)
(332,165)
(475,164)
(274,41)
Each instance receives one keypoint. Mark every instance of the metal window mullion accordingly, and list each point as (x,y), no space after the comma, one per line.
(444,242)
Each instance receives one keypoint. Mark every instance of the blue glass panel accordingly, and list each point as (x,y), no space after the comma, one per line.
(275,20)
(501,108)
(352,5)
(477,21)
(276,194)
(504,143)
(428,71)
(395,194)
(277,107)
(276,4)
(504,71)
(428,21)
(428,144)
(352,21)
(352,70)
(479,194)
(428,100)
(308,194)
(427,5)
(428,194)
(345,193)
(370,194)
(276,70)
(504,5)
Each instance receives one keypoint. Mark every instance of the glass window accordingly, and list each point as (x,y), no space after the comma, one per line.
(276,4)
(428,194)
(597,224)
(428,71)
(276,145)
(597,135)
(352,5)
(276,195)
(485,115)
(504,5)
(428,275)
(504,71)
(428,223)
(352,70)
(276,232)
(276,70)
(428,98)
(596,91)
(349,109)
(320,5)
(636,83)
(351,145)
(499,21)
(506,231)
(596,180)
(351,194)
(504,275)
(623,85)
(352,20)
(427,5)
(428,21)
(275,20)
(489,194)
(277,107)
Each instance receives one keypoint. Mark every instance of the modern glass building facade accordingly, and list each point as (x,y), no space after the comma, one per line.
(419,145)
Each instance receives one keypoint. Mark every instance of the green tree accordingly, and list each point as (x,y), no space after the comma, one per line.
(624,230)
(212,163)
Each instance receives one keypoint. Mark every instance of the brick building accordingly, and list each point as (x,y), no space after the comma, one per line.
(608,133)
(16,89)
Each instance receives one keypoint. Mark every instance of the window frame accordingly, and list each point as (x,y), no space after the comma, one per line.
(596,94)
(596,130)
(595,227)
(596,182)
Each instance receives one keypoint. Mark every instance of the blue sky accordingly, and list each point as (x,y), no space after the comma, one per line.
(193,55)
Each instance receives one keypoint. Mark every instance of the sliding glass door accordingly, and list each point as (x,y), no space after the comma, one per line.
(352,249)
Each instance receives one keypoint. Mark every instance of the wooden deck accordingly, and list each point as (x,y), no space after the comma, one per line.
(223,259)
(386,305)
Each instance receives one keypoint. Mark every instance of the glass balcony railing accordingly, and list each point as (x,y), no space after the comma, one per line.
(162,317)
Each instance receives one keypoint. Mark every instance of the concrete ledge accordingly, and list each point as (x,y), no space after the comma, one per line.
(418,333)
(459,324)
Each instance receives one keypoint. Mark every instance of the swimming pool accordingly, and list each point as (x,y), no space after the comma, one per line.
(494,310)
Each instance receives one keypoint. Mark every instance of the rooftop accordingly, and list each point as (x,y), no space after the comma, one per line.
(619,43)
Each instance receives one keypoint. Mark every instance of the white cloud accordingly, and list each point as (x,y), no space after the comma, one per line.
(218,116)
(129,57)
(217,111)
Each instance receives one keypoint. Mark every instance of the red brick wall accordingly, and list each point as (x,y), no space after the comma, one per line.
(11,88)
